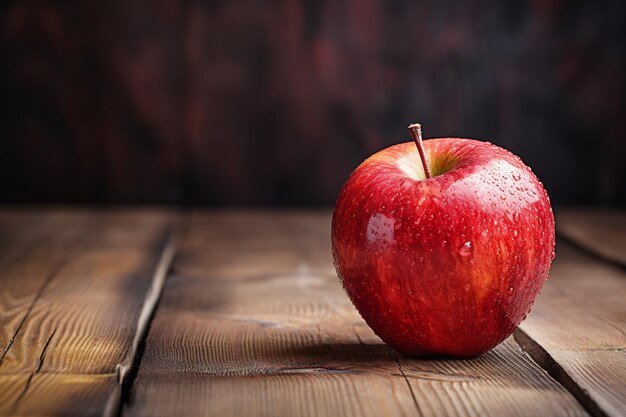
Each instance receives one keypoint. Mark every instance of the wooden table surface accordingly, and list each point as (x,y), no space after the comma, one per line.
(151,312)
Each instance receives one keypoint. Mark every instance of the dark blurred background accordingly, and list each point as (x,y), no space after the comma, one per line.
(276,101)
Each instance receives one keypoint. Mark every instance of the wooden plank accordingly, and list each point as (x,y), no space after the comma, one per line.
(600,231)
(33,245)
(18,229)
(254,322)
(71,303)
(578,326)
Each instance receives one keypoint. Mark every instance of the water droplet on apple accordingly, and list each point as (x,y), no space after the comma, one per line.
(466,249)
(466,287)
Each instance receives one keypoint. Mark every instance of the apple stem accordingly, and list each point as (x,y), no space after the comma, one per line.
(415,130)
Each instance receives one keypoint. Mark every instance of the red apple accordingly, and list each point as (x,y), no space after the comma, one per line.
(446,260)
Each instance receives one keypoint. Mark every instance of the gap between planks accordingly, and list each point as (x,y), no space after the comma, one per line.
(127,370)
(542,358)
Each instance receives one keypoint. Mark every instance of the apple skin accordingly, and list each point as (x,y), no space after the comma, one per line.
(448,265)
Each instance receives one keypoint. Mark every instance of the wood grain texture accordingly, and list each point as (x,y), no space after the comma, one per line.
(70,295)
(254,322)
(52,394)
(579,321)
(600,231)
(33,245)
